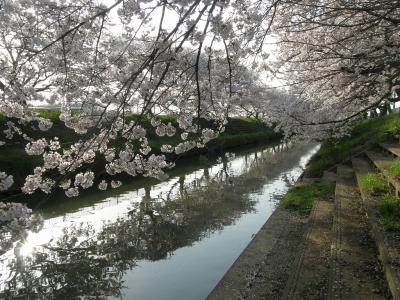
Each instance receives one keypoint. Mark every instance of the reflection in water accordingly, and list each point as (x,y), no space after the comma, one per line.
(87,253)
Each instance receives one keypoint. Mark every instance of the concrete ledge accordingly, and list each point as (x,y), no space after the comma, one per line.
(237,280)
(387,255)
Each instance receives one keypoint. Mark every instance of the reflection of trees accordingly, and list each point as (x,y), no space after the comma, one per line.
(83,262)
(76,265)
(91,263)
(157,227)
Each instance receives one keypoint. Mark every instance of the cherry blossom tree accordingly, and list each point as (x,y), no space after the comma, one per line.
(339,59)
(192,59)
(100,62)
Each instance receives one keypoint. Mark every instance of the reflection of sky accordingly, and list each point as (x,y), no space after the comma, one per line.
(213,254)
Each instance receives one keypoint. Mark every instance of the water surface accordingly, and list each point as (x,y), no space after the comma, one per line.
(153,240)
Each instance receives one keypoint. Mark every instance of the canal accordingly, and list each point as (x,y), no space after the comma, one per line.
(153,240)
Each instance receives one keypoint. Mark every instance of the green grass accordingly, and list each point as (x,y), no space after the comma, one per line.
(389,208)
(333,151)
(394,168)
(373,183)
(51,114)
(301,198)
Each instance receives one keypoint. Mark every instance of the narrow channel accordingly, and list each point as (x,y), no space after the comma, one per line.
(154,240)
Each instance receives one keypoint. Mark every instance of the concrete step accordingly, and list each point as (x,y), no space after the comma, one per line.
(262,270)
(355,268)
(382,161)
(328,176)
(392,148)
(308,180)
(309,279)
(387,243)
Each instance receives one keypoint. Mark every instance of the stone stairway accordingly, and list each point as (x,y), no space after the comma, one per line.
(339,259)
(387,246)
(382,161)
(388,242)
(353,264)
(392,148)
(342,250)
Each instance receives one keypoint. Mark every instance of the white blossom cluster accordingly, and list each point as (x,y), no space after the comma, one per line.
(103,185)
(38,181)
(184,147)
(167,148)
(135,163)
(115,183)
(163,130)
(44,124)
(6,181)
(208,135)
(36,147)
(85,180)
(80,124)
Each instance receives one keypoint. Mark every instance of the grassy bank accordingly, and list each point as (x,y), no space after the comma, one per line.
(365,134)
(239,132)
(389,209)
(301,198)
(368,131)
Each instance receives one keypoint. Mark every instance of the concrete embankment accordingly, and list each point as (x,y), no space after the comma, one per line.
(262,269)
(332,253)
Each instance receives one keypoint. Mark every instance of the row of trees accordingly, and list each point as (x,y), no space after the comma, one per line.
(189,58)
(339,58)
(108,60)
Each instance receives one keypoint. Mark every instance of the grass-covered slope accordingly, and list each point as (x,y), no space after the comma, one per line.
(301,198)
(371,131)
(366,133)
(389,209)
